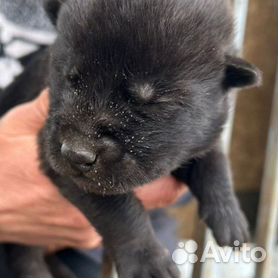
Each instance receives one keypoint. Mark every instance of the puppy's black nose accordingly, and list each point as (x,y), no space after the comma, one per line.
(80,158)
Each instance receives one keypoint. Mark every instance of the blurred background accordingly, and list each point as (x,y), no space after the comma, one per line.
(251,138)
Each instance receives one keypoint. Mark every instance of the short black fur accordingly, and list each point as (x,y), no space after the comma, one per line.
(140,89)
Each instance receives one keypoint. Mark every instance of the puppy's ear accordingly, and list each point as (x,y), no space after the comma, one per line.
(52,8)
(240,74)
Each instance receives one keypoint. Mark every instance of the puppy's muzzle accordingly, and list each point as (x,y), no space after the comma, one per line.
(85,156)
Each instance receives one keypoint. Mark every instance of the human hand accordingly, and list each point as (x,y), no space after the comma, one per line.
(32,211)
(161,193)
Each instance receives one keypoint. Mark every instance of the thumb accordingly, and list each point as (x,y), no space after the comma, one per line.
(26,118)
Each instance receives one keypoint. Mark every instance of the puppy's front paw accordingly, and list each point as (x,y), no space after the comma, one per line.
(147,262)
(227,222)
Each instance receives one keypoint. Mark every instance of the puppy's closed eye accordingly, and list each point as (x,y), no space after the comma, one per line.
(73,77)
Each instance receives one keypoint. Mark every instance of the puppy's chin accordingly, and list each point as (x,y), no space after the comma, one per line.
(110,183)
(101,188)
(119,178)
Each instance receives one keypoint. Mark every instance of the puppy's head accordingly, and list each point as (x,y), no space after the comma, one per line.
(137,88)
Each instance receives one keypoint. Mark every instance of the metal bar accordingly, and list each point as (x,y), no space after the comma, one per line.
(241,11)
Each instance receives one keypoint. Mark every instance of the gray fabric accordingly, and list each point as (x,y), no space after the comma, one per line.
(24,26)
(26,13)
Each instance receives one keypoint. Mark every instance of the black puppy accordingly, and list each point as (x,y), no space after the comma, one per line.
(139,89)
